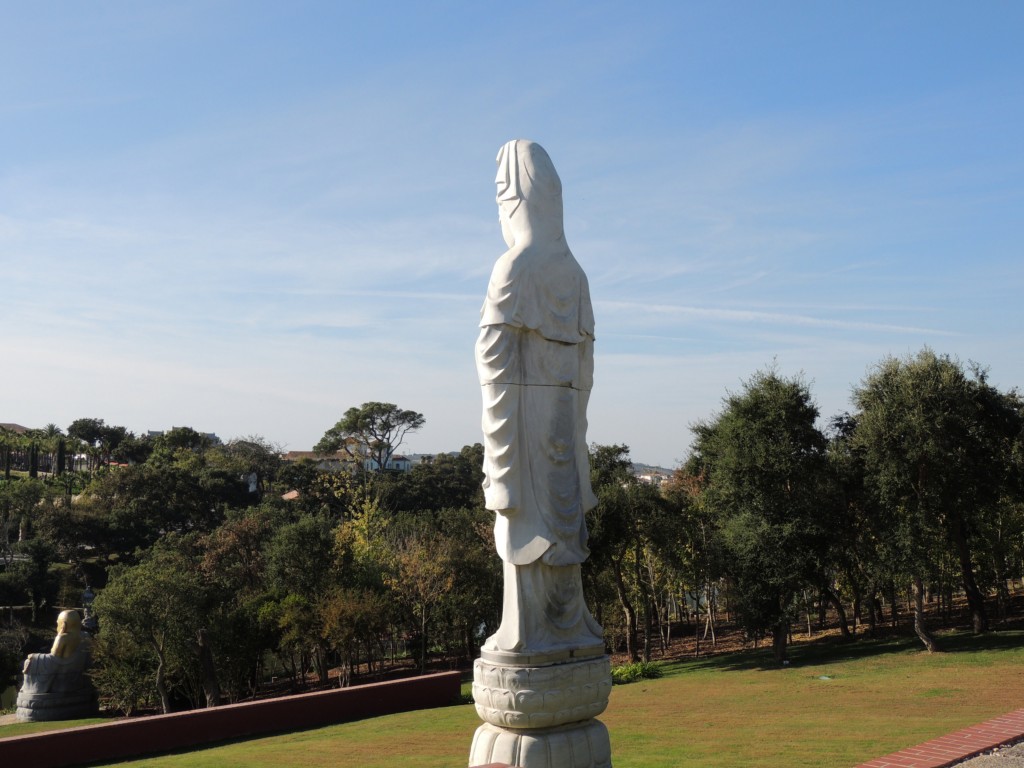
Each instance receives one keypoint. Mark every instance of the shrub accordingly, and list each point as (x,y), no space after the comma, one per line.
(638,670)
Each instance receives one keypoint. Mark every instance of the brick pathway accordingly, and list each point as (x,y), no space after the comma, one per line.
(955,747)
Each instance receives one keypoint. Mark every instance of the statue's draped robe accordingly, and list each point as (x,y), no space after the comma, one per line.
(57,687)
(535,362)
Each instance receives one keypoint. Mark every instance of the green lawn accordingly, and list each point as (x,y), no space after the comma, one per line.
(724,712)
(17,729)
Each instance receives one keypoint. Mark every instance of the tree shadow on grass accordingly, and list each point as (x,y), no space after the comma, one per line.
(968,642)
(832,650)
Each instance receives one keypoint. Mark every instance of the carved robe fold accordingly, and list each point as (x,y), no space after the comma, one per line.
(535,361)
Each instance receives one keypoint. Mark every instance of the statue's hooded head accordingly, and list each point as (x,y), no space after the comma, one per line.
(528,184)
(69,622)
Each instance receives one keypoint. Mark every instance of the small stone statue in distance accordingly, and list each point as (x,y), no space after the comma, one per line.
(55,685)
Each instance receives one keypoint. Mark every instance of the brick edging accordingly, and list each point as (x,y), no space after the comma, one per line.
(952,748)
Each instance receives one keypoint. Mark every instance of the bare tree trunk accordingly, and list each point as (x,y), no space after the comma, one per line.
(1002,592)
(646,600)
(668,622)
(696,624)
(779,636)
(919,624)
(833,598)
(423,641)
(975,600)
(345,671)
(711,618)
(858,604)
(627,609)
(255,678)
(321,663)
(648,627)
(211,688)
(161,685)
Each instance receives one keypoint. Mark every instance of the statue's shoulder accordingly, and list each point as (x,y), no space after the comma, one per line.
(504,289)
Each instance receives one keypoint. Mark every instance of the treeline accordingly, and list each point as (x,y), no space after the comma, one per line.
(87,444)
(210,584)
(919,492)
(219,569)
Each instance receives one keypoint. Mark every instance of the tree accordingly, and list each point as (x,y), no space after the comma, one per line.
(471,610)
(351,617)
(234,569)
(700,553)
(631,532)
(764,461)
(20,500)
(33,460)
(320,492)
(152,605)
(424,576)
(179,441)
(101,439)
(937,446)
(61,456)
(861,539)
(89,431)
(51,439)
(13,639)
(372,431)
(441,482)
(246,457)
(34,572)
(9,441)
(27,563)
(133,449)
(133,506)
(300,572)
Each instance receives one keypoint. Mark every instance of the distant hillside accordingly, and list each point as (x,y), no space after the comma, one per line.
(652,474)
(646,469)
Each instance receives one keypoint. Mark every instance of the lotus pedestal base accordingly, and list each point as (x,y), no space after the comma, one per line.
(539,711)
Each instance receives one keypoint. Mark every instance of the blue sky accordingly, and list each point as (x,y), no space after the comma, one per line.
(247,217)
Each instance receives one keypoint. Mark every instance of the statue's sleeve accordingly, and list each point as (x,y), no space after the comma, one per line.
(497,361)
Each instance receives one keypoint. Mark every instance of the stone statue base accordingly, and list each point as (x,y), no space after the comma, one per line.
(580,745)
(56,688)
(541,715)
(41,707)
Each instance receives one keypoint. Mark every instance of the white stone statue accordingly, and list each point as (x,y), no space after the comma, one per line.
(55,685)
(543,676)
(535,360)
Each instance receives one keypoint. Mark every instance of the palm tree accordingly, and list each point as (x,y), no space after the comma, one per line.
(7,440)
(51,437)
(16,450)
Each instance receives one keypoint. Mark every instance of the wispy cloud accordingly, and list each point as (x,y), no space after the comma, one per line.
(755,317)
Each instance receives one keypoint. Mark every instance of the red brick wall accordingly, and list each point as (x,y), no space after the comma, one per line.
(123,739)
